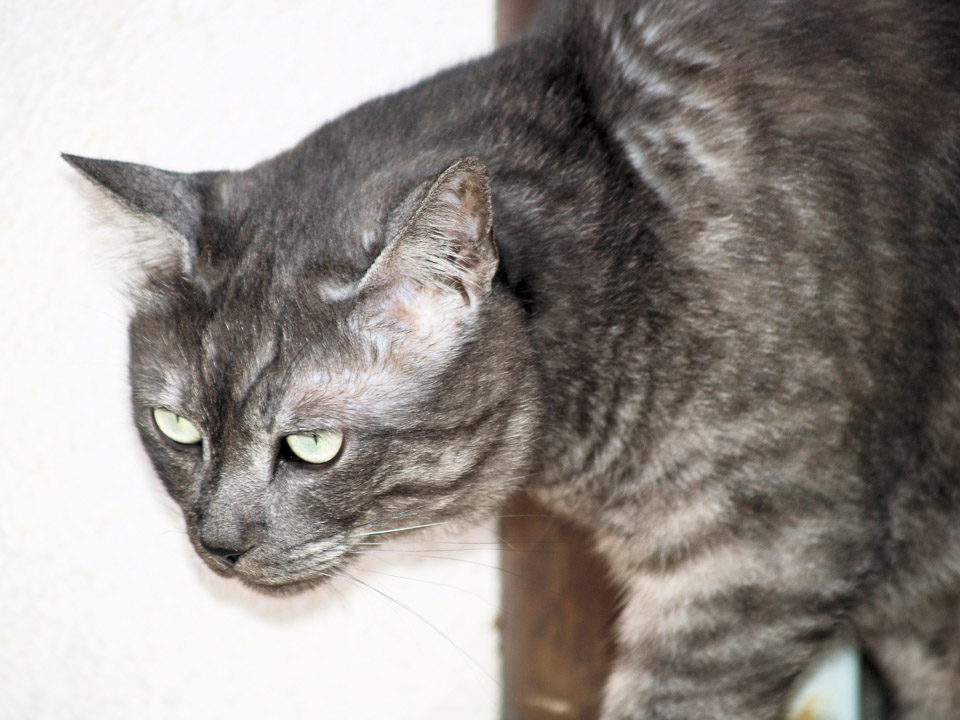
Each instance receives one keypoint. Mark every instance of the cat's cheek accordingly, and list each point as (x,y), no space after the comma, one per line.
(309,504)
(177,475)
(178,490)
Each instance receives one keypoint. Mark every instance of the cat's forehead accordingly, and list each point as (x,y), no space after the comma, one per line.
(234,329)
(282,369)
(341,210)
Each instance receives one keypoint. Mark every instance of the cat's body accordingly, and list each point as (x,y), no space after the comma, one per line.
(718,327)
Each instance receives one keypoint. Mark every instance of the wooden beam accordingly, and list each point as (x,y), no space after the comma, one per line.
(556,622)
(513,16)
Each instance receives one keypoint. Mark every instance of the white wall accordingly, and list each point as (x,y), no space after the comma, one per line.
(104,610)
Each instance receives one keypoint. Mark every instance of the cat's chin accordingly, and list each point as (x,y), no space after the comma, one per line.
(272,582)
(275,586)
(283,589)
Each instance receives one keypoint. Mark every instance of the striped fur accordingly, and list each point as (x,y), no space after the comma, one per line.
(715,319)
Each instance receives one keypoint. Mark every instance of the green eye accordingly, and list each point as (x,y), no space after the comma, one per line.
(316,448)
(176,427)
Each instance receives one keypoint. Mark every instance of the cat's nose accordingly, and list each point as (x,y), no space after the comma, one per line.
(230,541)
(228,530)
(228,556)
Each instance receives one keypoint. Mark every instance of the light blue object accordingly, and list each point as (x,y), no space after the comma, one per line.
(832,688)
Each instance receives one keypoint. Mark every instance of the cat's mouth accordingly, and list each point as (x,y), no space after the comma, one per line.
(283,571)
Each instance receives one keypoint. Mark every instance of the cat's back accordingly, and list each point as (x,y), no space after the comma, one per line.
(805,154)
(805,158)
(777,107)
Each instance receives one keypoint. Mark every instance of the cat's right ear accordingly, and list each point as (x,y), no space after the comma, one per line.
(165,209)
(441,264)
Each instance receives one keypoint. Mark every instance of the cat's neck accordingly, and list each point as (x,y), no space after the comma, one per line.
(586,261)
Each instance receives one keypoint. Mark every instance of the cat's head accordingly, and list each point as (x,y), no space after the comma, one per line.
(311,371)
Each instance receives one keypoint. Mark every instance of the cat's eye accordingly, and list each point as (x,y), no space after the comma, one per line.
(176,427)
(316,448)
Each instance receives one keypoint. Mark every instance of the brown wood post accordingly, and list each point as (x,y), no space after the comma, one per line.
(557,603)
(556,619)
(513,16)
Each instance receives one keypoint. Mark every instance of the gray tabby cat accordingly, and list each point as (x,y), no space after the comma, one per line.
(687,271)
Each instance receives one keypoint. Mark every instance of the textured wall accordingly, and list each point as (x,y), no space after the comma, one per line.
(104,610)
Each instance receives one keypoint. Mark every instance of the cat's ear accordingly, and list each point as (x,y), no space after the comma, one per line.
(444,258)
(164,208)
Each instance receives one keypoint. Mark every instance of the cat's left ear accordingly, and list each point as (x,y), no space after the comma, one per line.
(445,257)
(165,207)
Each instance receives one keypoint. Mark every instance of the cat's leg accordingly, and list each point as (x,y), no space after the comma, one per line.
(917,654)
(725,632)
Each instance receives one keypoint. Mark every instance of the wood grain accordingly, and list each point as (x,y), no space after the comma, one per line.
(513,16)
(556,622)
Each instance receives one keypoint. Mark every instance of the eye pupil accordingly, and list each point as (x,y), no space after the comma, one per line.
(315,448)
(176,427)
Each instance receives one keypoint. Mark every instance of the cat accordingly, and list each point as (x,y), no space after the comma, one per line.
(688,272)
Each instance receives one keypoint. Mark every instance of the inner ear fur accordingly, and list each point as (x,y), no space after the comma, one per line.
(447,245)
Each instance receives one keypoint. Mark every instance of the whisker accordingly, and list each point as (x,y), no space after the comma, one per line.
(395,530)
(531,546)
(415,549)
(474,595)
(413,553)
(429,624)
(397,516)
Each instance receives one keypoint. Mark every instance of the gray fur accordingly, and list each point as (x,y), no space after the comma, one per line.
(718,325)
